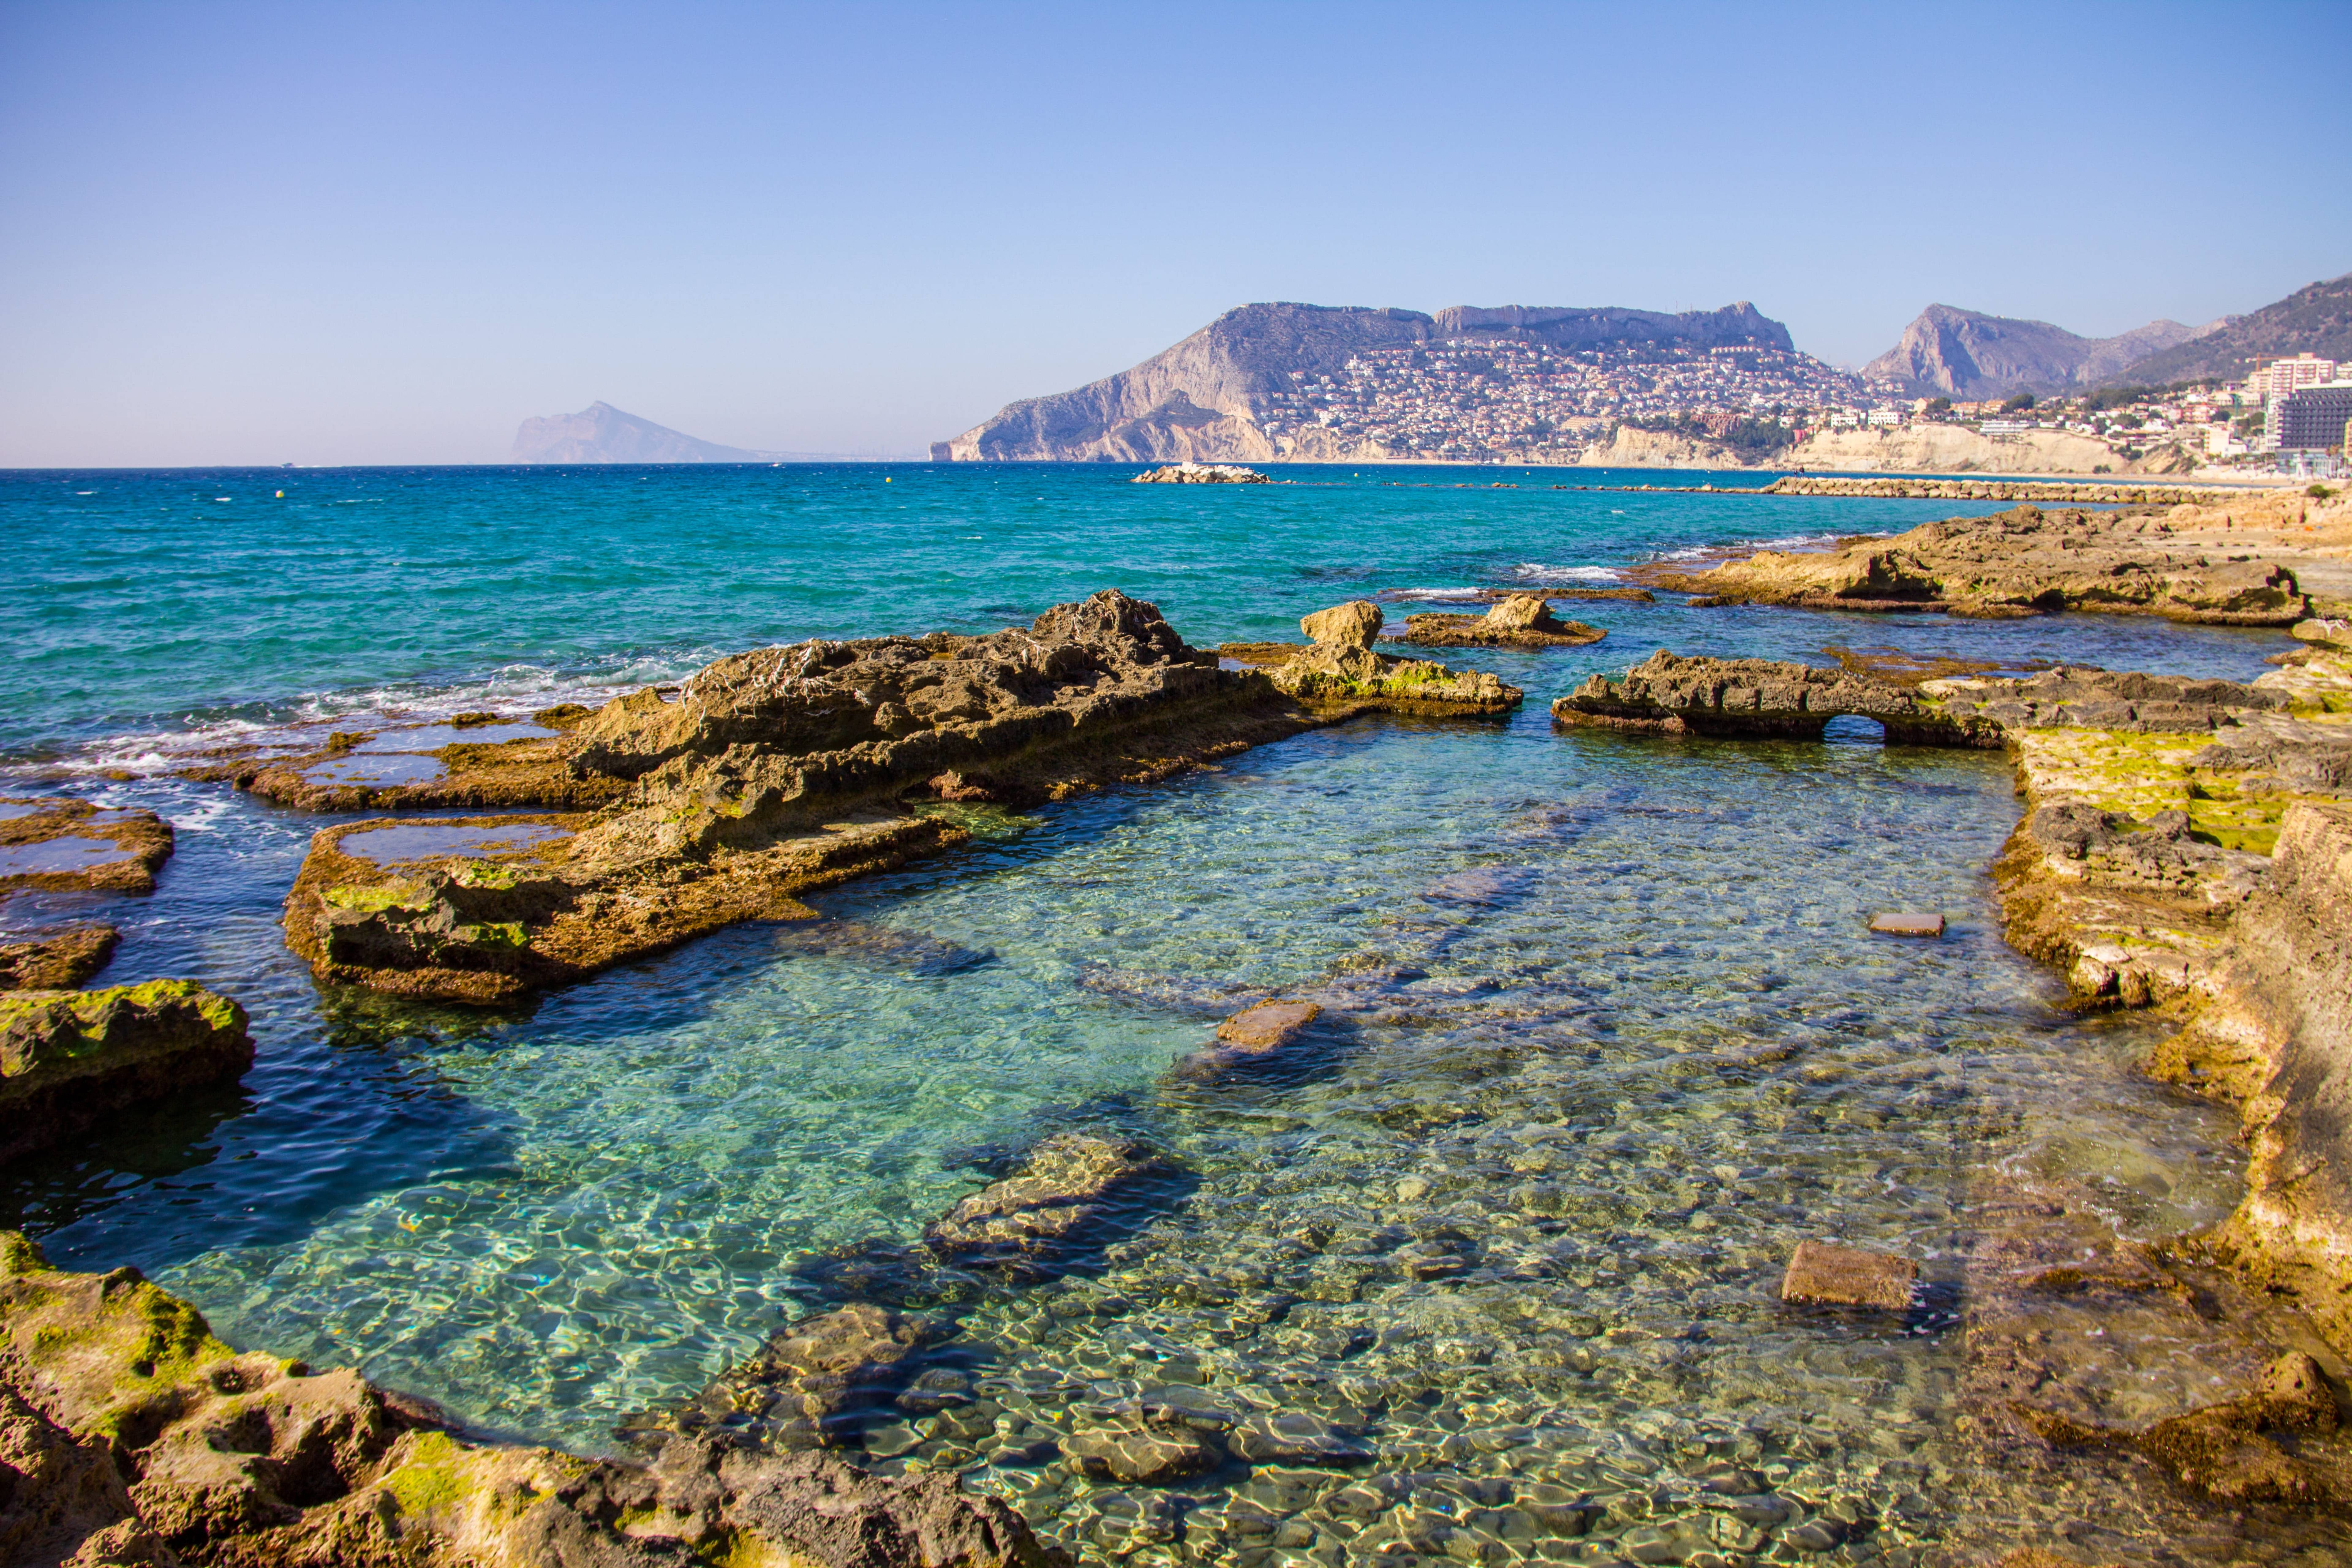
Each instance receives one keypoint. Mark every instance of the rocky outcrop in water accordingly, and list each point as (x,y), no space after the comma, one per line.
(770,773)
(129,1434)
(1201,474)
(1518,620)
(2022,561)
(70,1058)
(1754,698)
(1330,675)
(72,845)
(60,961)
(479,762)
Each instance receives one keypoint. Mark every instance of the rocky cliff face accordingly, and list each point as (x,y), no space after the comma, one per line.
(601,433)
(1202,401)
(1965,353)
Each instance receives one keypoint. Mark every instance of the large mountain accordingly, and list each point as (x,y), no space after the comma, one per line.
(2315,319)
(601,433)
(1966,353)
(1204,398)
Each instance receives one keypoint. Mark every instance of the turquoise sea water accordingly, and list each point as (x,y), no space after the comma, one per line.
(1603,1027)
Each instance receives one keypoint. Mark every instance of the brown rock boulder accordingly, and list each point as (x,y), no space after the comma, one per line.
(1823,1272)
(1353,625)
(69,1058)
(62,962)
(129,1435)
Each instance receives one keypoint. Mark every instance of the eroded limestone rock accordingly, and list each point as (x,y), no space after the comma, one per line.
(815,1383)
(73,845)
(1517,620)
(2022,561)
(70,1058)
(129,1435)
(1353,625)
(1332,674)
(60,961)
(1754,698)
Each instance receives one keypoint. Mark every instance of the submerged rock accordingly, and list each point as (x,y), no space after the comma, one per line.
(2225,1452)
(60,961)
(1064,1188)
(814,1382)
(128,1434)
(2017,562)
(1519,620)
(1141,1452)
(1824,1272)
(73,845)
(1266,1028)
(70,1058)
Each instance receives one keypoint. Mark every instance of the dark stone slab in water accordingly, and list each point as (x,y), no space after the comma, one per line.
(1488,886)
(811,1384)
(1141,1453)
(1068,1183)
(1823,1272)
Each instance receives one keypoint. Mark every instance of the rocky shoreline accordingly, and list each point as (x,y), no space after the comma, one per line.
(2258,561)
(777,772)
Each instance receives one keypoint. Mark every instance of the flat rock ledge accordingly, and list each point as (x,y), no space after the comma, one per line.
(60,845)
(1755,699)
(766,775)
(1518,620)
(2019,562)
(56,961)
(70,1058)
(478,761)
(129,1434)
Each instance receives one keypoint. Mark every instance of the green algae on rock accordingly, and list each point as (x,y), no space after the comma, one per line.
(129,1434)
(69,1058)
(73,845)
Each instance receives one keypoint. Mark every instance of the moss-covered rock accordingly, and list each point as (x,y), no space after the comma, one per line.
(70,1058)
(129,1434)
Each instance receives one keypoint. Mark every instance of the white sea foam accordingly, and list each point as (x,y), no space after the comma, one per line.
(1436,596)
(302,724)
(1536,571)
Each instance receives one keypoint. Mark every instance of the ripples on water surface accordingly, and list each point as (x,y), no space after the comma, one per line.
(1604,1033)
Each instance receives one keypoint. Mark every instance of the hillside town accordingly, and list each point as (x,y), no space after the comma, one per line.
(1520,400)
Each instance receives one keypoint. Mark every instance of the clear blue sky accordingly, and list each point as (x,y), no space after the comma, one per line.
(355,233)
